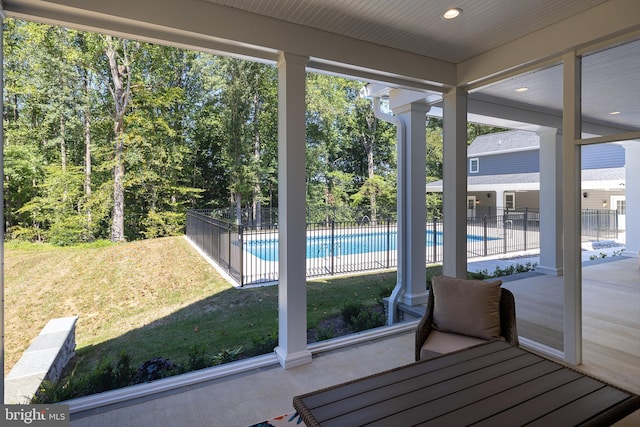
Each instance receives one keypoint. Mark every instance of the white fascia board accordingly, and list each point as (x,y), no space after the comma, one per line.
(512,150)
(208,26)
(530,186)
(602,185)
(606,20)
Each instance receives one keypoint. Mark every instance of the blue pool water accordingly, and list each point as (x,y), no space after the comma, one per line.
(345,244)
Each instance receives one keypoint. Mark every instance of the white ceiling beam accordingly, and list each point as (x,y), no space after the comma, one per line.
(209,26)
(607,20)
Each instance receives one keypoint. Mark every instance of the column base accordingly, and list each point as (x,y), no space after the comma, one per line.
(551,271)
(292,360)
(415,299)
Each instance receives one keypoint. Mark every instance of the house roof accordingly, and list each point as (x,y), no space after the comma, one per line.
(515,140)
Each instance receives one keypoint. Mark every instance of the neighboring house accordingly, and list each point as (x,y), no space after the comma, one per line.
(503,171)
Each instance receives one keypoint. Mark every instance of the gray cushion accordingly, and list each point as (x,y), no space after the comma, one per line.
(438,343)
(467,307)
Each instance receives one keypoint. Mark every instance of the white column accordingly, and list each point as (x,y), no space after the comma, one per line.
(412,210)
(550,202)
(499,203)
(632,197)
(454,192)
(571,181)
(292,288)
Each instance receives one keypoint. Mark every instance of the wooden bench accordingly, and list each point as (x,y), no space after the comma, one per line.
(45,359)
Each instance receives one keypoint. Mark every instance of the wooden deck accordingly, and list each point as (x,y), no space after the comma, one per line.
(611,317)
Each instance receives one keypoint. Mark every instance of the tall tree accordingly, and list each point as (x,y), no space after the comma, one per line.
(119,54)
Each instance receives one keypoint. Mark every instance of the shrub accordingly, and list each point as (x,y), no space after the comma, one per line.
(64,389)
(263,345)
(383,293)
(513,269)
(106,376)
(226,356)
(154,369)
(367,319)
(326,333)
(196,359)
(351,310)
(360,318)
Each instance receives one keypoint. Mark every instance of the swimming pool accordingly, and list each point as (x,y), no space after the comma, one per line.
(342,244)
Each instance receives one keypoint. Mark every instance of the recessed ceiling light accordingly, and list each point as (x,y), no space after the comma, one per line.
(452,13)
(522,89)
(613,113)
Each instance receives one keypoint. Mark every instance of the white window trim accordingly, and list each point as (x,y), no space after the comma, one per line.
(513,195)
(474,161)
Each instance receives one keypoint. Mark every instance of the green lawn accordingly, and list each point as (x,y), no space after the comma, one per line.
(152,298)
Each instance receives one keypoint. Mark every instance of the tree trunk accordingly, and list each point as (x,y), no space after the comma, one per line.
(369,142)
(120,91)
(257,206)
(372,194)
(63,145)
(238,200)
(117,217)
(87,153)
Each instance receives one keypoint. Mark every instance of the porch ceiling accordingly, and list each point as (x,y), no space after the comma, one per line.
(417,26)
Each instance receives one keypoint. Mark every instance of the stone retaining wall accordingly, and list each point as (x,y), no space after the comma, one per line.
(45,359)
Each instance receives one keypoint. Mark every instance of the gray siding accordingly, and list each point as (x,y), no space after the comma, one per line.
(527,199)
(507,163)
(600,156)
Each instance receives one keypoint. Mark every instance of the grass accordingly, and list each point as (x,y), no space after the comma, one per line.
(151,298)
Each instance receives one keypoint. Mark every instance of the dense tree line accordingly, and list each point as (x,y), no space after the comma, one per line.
(114,139)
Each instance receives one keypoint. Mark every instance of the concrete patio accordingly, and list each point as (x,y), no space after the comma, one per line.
(611,332)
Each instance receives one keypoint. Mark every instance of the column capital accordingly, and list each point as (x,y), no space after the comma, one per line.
(549,132)
(419,106)
(400,99)
(456,90)
(292,58)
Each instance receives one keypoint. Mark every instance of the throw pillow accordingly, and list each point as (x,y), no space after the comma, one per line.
(467,307)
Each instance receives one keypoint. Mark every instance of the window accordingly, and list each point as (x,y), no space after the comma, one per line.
(510,200)
(474,165)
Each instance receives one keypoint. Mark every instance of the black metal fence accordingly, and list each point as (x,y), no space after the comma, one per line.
(600,223)
(219,240)
(250,254)
(267,217)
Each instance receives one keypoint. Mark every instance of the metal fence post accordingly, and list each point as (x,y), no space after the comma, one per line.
(435,239)
(486,237)
(228,248)
(241,266)
(524,227)
(504,232)
(388,241)
(333,240)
